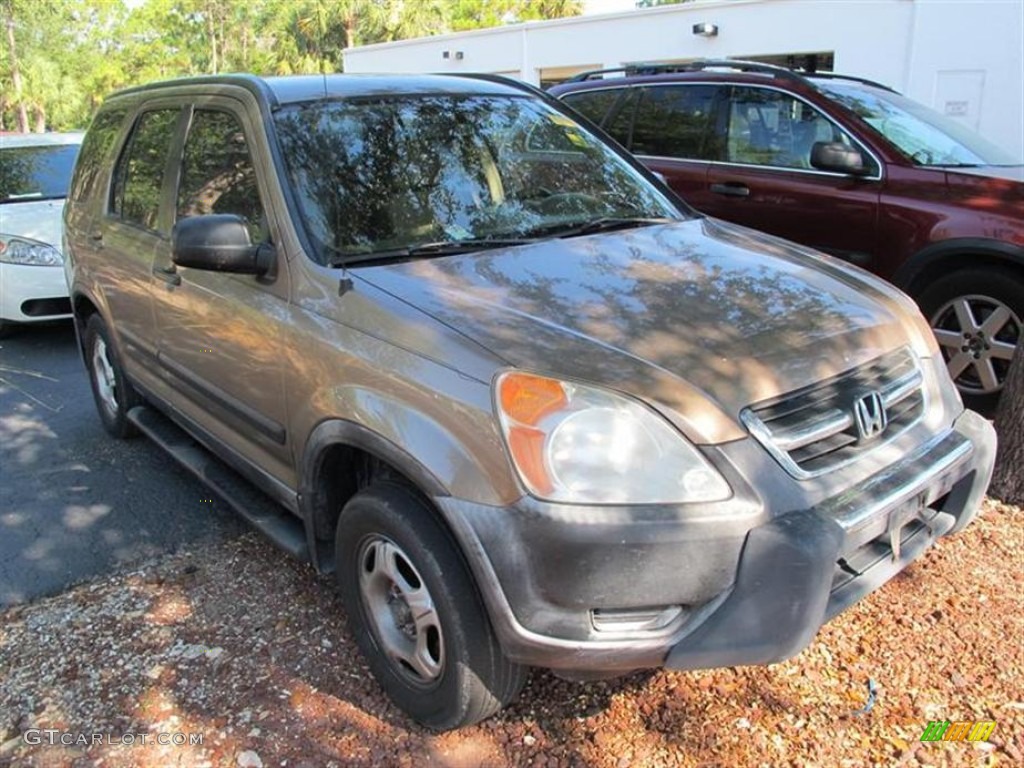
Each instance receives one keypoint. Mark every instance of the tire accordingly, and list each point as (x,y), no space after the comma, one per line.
(978,319)
(6,329)
(113,394)
(390,549)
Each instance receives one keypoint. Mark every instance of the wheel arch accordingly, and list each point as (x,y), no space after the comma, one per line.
(340,458)
(82,307)
(938,259)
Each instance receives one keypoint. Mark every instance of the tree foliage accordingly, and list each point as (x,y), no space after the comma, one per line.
(60,58)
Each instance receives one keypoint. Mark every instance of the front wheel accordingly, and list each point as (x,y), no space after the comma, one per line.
(114,395)
(976,315)
(415,613)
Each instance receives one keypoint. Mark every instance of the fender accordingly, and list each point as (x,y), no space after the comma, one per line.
(924,260)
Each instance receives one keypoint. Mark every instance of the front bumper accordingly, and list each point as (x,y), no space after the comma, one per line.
(33,293)
(753,584)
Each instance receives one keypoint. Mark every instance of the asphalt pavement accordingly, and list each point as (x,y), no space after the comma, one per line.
(74,502)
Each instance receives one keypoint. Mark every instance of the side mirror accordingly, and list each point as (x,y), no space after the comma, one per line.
(837,157)
(219,242)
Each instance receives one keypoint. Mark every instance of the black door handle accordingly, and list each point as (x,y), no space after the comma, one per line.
(168,274)
(731,189)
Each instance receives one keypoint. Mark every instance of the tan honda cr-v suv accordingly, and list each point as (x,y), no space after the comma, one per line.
(434,335)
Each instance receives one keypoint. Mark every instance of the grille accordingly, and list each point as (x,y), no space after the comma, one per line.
(814,430)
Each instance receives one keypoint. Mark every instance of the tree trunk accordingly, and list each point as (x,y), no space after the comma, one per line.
(19,96)
(39,112)
(350,30)
(1008,481)
(211,31)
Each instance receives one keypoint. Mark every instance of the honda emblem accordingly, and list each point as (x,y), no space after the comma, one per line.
(869,413)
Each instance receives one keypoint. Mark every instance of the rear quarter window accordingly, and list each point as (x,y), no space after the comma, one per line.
(593,105)
(95,154)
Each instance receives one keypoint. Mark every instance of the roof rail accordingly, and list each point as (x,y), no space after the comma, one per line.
(739,65)
(693,66)
(840,76)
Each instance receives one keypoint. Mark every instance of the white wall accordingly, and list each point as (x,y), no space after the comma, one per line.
(967,61)
(936,51)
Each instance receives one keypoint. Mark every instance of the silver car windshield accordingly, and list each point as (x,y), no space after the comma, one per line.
(920,133)
(374,175)
(36,173)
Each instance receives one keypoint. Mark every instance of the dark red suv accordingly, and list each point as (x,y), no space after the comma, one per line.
(846,166)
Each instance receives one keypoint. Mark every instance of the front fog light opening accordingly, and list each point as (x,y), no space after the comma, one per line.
(635,619)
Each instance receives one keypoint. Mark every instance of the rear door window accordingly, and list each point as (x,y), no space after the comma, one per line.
(677,121)
(620,123)
(139,177)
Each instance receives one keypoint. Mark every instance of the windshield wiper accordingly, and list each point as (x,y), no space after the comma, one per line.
(605,224)
(425,250)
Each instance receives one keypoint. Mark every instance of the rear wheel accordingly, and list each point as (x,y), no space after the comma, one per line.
(976,315)
(114,395)
(415,613)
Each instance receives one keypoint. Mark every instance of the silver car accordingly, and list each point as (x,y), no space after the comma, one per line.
(35,171)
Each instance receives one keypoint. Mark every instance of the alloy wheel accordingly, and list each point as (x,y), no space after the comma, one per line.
(978,336)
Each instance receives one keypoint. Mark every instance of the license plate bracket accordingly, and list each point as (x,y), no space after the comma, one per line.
(898,519)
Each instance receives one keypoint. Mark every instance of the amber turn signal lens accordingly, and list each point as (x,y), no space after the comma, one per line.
(527,446)
(527,399)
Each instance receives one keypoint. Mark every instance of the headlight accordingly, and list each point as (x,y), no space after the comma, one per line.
(579,444)
(17,250)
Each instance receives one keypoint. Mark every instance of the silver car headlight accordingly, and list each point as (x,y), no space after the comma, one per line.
(32,253)
(580,444)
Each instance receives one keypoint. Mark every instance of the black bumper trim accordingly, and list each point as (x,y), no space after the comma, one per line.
(779,601)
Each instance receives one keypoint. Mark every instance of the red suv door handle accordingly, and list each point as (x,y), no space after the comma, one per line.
(731,189)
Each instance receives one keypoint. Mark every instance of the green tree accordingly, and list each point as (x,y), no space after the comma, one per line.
(656,3)
(60,58)
(478,14)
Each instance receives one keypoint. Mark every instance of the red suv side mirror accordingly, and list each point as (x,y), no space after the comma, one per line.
(838,157)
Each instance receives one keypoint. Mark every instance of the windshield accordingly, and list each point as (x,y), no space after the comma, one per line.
(922,134)
(374,175)
(36,173)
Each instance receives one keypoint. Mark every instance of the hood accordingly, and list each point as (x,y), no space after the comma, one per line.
(701,317)
(1007,172)
(33,219)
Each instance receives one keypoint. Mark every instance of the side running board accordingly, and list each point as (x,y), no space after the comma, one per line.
(259,510)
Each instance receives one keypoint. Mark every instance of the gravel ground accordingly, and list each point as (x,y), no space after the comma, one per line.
(249,649)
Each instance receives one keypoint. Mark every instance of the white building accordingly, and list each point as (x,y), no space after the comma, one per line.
(964,58)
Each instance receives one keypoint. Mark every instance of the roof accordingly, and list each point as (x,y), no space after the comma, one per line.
(8,140)
(298,88)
